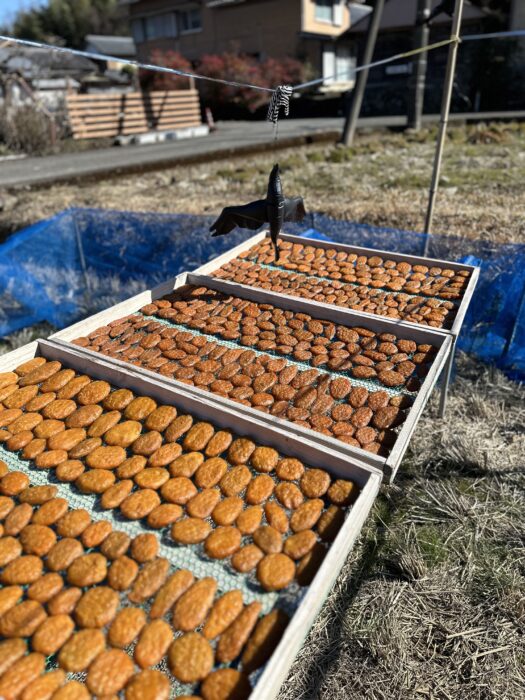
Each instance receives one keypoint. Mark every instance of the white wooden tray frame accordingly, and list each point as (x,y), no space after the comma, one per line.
(389,465)
(212,266)
(369,480)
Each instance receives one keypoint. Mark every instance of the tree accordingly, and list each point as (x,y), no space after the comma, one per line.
(68,21)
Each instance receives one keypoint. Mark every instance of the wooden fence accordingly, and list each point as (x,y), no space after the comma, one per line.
(107,115)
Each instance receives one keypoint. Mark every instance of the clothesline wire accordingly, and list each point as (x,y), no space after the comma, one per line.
(396,57)
(233,83)
(128,62)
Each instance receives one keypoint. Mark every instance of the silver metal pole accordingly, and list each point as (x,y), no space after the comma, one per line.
(357,99)
(445,112)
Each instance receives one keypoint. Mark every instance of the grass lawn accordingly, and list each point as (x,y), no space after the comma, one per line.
(431,604)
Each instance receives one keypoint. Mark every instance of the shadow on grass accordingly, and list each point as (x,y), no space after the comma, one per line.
(388,504)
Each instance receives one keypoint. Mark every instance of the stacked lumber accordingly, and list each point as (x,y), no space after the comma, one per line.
(111,115)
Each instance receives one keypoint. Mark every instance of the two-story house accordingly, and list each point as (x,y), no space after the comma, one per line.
(329,35)
(313,31)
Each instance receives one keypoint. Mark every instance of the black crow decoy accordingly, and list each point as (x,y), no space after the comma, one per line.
(274,210)
(445,7)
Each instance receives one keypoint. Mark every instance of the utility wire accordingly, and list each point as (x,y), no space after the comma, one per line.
(396,57)
(278,90)
(128,62)
(233,83)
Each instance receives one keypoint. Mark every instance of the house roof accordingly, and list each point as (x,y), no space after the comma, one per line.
(119,46)
(40,63)
(400,14)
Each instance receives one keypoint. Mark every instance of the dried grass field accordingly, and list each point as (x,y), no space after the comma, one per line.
(382,180)
(431,604)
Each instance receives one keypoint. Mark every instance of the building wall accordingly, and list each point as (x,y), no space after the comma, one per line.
(275,28)
(331,29)
(257,27)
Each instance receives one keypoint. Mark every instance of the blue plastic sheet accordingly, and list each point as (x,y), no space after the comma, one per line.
(83,260)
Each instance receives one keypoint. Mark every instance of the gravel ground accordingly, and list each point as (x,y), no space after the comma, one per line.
(431,604)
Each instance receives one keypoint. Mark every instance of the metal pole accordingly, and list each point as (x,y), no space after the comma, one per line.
(445,112)
(416,97)
(362,78)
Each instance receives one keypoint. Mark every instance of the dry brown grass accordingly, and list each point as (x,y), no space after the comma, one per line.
(382,180)
(431,604)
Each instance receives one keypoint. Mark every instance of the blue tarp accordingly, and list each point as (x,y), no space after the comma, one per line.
(83,260)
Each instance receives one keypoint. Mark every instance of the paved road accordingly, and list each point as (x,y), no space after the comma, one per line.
(230,138)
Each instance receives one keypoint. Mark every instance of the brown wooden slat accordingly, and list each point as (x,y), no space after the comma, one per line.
(78,126)
(106,132)
(114,127)
(80,114)
(93,121)
(116,106)
(113,132)
(140,99)
(179,124)
(136,104)
(135,114)
(170,117)
(193,107)
(118,95)
(174,108)
(132,97)
(161,108)
(90,128)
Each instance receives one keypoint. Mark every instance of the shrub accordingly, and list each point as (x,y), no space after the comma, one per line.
(163,81)
(285,71)
(25,130)
(235,67)
(230,66)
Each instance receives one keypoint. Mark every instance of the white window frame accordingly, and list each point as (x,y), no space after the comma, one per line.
(337,13)
(328,63)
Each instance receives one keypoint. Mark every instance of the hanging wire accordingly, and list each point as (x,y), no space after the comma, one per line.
(128,62)
(382,62)
(280,95)
(494,35)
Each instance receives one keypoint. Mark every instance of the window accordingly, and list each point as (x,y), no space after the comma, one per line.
(137,29)
(154,27)
(190,20)
(339,64)
(324,10)
(345,64)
